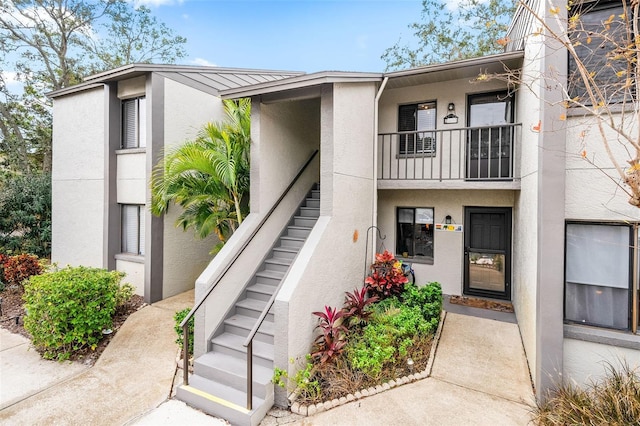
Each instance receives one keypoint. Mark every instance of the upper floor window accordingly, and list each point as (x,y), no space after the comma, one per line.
(600,37)
(419,118)
(132,229)
(599,284)
(134,118)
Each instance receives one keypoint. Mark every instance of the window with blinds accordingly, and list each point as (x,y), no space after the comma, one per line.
(421,119)
(134,117)
(132,229)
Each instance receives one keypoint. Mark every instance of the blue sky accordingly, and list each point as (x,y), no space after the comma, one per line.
(298,35)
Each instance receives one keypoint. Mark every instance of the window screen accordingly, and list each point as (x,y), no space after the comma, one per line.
(133,229)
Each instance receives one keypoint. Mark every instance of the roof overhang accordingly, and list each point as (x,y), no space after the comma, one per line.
(299,83)
(466,68)
(136,70)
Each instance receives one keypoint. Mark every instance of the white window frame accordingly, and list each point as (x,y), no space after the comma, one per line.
(134,128)
(422,143)
(129,243)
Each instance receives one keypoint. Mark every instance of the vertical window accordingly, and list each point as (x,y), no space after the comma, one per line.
(421,119)
(133,229)
(414,233)
(596,36)
(598,275)
(134,117)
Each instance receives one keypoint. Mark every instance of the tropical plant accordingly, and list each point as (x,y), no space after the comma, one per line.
(387,278)
(20,268)
(209,176)
(356,304)
(330,343)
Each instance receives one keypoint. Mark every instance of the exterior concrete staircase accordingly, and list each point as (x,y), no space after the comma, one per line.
(219,380)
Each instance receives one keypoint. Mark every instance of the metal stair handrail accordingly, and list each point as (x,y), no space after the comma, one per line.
(185,321)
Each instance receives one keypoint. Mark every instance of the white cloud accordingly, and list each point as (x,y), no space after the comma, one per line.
(203,62)
(10,78)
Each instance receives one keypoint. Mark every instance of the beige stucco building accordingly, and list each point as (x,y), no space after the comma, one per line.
(480,185)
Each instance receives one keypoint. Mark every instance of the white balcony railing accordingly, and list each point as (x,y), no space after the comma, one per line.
(467,154)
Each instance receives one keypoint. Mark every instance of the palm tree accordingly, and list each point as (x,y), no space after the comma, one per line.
(209,176)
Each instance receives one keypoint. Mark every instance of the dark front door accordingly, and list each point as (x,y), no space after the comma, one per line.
(487,252)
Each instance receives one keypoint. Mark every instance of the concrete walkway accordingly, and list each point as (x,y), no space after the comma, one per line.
(479,377)
(132,377)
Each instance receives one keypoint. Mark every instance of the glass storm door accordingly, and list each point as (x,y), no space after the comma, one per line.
(487,252)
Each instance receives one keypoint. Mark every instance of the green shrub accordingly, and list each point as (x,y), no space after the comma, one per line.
(19,268)
(427,298)
(179,317)
(123,295)
(25,214)
(69,308)
(615,400)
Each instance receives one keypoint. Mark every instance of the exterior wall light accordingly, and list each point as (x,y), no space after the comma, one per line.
(451,117)
(447,219)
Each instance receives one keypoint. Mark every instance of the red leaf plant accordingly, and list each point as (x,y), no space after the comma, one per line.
(355,305)
(332,340)
(386,277)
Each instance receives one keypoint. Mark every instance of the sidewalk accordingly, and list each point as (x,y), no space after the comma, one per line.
(479,377)
(133,376)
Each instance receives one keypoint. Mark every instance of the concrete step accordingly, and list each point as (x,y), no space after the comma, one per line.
(298,231)
(291,242)
(223,401)
(312,202)
(233,345)
(231,371)
(269,277)
(253,308)
(304,221)
(310,211)
(315,193)
(260,291)
(277,264)
(284,253)
(242,325)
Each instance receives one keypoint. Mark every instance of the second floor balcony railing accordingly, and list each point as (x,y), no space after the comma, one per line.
(463,154)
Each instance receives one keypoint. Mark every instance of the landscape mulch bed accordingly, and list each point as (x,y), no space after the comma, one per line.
(482,303)
(12,319)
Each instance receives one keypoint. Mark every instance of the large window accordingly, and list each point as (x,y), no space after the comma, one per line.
(598,275)
(419,118)
(133,229)
(414,234)
(134,117)
(599,28)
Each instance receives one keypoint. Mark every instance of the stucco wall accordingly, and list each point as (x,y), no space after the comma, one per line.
(186,110)
(587,361)
(346,208)
(135,274)
(592,193)
(131,177)
(448,261)
(78,186)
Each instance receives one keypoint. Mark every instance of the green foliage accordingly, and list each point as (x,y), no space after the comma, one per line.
(615,400)
(427,298)
(440,37)
(209,176)
(123,295)
(179,317)
(52,44)
(21,267)
(302,381)
(25,215)
(69,308)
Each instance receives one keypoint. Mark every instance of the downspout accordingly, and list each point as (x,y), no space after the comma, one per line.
(374,219)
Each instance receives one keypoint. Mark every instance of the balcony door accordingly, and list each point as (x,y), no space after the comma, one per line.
(489,142)
(487,252)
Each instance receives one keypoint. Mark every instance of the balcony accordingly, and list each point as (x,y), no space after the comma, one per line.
(462,158)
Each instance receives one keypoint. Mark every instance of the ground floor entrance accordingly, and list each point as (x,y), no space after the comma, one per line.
(487,252)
